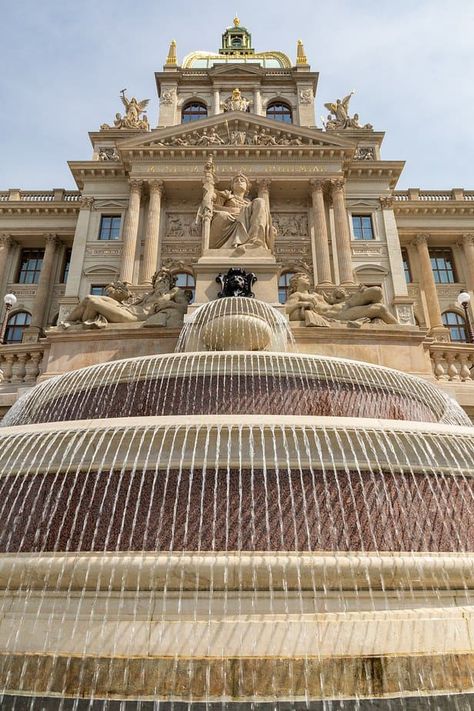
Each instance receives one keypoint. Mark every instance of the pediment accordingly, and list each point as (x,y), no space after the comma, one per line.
(239,130)
(243,69)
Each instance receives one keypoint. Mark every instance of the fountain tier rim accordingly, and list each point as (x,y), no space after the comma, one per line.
(244,422)
(270,443)
(224,571)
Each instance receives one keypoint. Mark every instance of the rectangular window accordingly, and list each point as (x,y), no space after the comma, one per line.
(362,226)
(406,267)
(67,264)
(98,290)
(31,261)
(110,227)
(442,264)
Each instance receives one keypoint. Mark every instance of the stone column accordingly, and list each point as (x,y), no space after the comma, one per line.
(40,304)
(257,101)
(216,103)
(402,302)
(467,244)
(150,253)
(130,231)
(6,243)
(428,283)
(320,241)
(343,236)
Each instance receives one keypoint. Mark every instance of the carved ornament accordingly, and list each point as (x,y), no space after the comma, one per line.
(86,202)
(386,202)
(365,153)
(107,153)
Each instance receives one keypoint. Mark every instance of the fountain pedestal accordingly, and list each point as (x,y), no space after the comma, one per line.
(214,261)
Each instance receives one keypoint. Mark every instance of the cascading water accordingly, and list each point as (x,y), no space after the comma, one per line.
(236,529)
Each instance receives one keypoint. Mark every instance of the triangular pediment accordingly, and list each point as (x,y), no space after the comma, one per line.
(237,129)
(234,68)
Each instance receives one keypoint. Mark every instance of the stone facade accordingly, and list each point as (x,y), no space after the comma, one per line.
(140,191)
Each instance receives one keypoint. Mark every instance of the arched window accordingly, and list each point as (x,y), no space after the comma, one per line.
(187,282)
(279,112)
(456,324)
(193,111)
(16,325)
(283,286)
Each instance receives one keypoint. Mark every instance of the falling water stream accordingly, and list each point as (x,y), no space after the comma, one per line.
(232,529)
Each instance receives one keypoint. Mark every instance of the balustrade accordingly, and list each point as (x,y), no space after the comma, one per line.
(59,195)
(452,362)
(20,364)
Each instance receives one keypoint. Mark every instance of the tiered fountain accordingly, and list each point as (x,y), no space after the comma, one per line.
(236,525)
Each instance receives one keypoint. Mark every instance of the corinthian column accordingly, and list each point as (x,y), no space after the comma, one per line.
(468,249)
(428,283)
(150,253)
(343,236)
(130,231)
(6,243)
(320,241)
(38,312)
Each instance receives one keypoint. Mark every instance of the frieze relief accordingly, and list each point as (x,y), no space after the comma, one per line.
(290,225)
(179,226)
(226,169)
(236,135)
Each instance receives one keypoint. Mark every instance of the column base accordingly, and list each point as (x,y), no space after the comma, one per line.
(32,334)
(440,333)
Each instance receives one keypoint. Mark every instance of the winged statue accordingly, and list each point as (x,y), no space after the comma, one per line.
(340,118)
(134,117)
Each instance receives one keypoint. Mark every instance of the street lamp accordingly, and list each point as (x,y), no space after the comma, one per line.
(463,300)
(10,301)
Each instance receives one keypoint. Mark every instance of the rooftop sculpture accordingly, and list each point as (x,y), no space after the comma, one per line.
(134,117)
(339,117)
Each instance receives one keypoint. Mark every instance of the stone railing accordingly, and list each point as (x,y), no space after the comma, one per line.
(433,195)
(452,361)
(58,195)
(20,364)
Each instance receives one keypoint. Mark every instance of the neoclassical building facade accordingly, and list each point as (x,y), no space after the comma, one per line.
(335,209)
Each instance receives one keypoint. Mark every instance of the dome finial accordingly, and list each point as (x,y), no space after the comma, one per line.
(300,55)
(236,20)
(171,58)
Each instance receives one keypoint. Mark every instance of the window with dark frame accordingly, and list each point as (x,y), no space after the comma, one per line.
(31,261)
(456,324)
(278,111)
(362,227)
(98,290)
(442,264)
(186,282)
(283,286)
(406,267)
(16,325)
(193,112)
(67,264)
(110,227)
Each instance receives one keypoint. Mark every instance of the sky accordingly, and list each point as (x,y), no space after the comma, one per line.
(410,63)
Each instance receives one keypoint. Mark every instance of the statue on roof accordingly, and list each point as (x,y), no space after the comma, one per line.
(236,102)
(339,117)
(134,117)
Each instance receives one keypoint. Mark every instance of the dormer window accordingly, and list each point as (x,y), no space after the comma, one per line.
(278,111)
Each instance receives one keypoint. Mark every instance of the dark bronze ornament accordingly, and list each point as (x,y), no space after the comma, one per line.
(237,282)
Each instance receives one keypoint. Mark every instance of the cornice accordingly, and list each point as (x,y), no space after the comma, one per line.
(97,170)
(22,207)
(376,170)
(459,208)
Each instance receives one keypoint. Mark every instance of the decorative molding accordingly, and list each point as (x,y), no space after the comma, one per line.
(103,251)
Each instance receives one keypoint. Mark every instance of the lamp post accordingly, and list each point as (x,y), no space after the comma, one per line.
(10,301)
(463,300)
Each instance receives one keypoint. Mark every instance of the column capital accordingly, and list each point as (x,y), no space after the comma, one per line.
(52,240)
(421,239)
(86,202)
(264,184)
(156,186)
(386,202)
(337,185)
(6,240)
(317,184)
(467,238)
(135,185)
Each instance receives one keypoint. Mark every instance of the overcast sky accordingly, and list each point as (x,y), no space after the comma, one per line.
(411,63)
